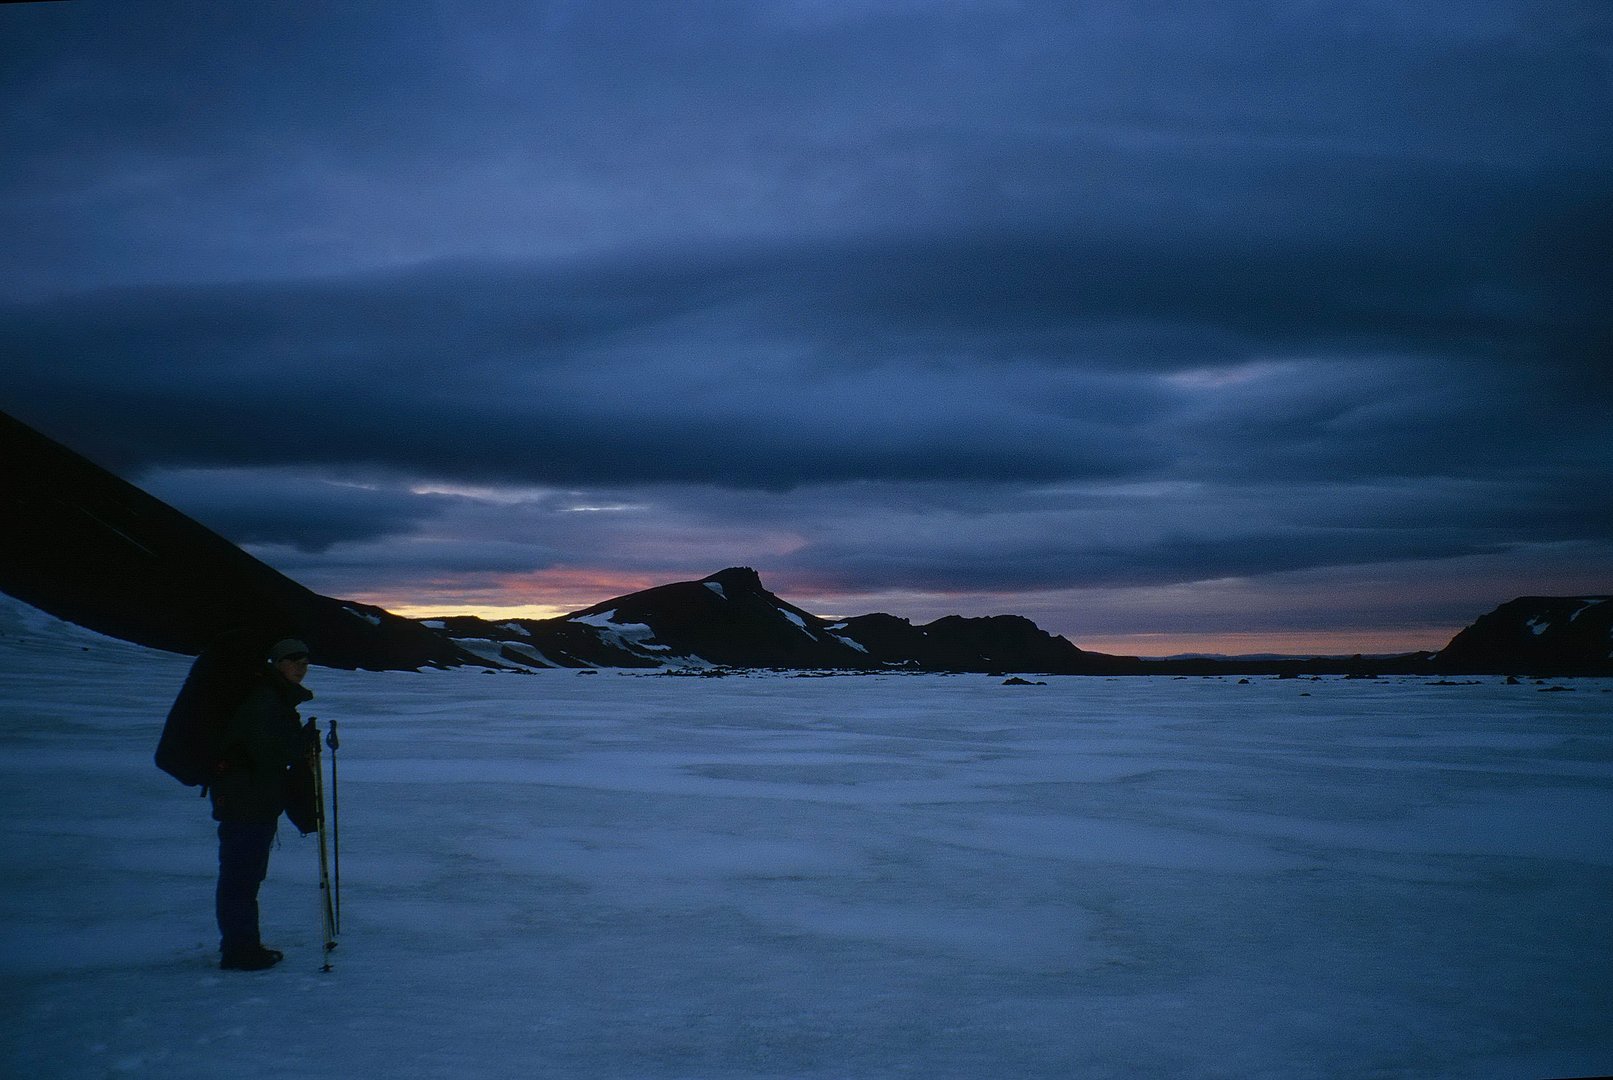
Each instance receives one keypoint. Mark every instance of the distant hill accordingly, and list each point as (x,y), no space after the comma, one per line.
(731,620)
(83,545)
(1556,635)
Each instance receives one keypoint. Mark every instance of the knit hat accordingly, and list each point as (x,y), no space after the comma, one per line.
(288,647)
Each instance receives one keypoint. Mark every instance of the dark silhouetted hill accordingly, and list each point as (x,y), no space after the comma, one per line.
(956,643)
(82,544)
(731,620)
(1538,635)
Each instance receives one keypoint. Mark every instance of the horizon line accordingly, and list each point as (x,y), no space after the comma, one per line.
(1145,645)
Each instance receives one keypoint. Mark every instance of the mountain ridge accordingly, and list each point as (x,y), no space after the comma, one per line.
(93,549)
(676,624)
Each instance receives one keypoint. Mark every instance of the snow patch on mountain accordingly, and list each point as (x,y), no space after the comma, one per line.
(485,648)
(799,622)
(1544,623)
(528,654)
(372,619)
(631,637)
(849,642)
(833,630)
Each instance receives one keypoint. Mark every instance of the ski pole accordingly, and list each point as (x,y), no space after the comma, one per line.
(335,744)
(327,915)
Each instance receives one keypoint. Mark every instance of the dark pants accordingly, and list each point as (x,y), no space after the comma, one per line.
(243,863)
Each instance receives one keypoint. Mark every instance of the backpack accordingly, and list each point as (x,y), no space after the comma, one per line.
(190,748)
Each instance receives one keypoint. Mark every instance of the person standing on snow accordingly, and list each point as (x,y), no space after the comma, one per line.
(267,750)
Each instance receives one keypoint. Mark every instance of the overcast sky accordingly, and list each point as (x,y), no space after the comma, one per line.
(1196,325)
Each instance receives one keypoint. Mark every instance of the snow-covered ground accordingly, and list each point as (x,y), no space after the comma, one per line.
(630,875)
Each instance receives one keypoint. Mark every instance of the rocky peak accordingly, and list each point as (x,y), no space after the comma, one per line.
(737,579)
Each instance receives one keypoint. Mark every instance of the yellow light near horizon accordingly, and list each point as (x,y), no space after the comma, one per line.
(545,594)
(490,613)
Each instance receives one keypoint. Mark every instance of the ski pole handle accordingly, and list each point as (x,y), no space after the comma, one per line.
(331,740)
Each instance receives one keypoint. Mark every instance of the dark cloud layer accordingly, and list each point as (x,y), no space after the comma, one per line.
(311,515)
(800,370)
(1007,300)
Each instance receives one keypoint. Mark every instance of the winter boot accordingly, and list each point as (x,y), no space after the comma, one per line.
(251,958)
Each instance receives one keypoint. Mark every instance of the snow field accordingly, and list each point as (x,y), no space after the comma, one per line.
(628,875)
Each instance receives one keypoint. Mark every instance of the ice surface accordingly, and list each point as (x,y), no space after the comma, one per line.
(627,875)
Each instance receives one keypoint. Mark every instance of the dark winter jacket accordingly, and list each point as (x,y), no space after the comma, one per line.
(262,742)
